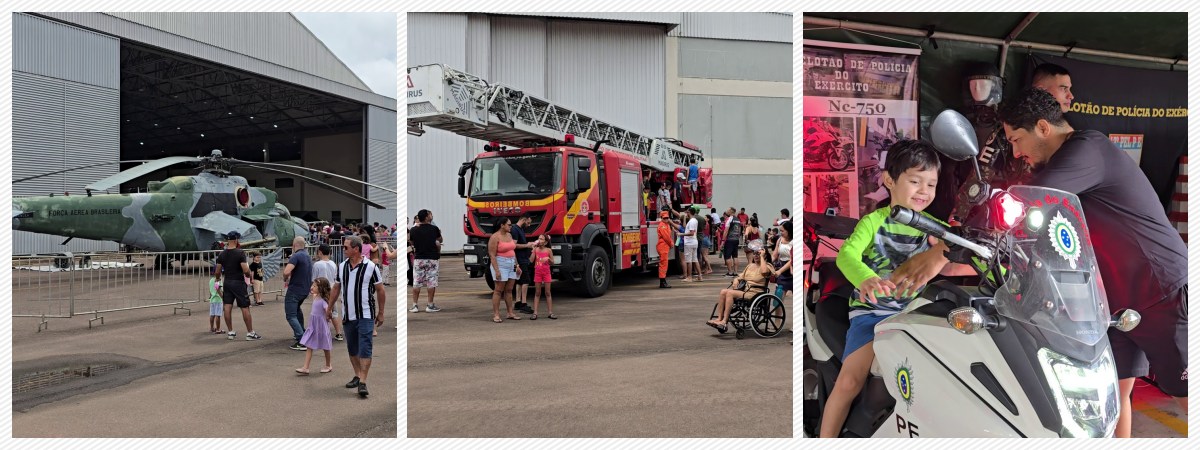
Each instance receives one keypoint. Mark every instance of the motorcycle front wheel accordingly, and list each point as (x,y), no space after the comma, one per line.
(839,160)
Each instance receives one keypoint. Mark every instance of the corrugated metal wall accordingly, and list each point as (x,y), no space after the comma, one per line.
(735,60)
(134,31)
(433,159)
(381,163)
(771,27)
(65,113)
(61,51)
(275,37)
(727,126)
(613,71)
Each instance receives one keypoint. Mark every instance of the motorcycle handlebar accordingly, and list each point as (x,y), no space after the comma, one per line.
(916,220)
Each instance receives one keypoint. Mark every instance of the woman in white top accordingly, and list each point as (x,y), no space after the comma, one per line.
(783,260)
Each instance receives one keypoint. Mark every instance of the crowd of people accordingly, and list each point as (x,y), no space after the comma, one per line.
(348,296)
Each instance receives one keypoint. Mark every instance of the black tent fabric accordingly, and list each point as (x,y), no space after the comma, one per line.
(943,62)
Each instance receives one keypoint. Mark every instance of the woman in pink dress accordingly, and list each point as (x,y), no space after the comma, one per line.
(541,259)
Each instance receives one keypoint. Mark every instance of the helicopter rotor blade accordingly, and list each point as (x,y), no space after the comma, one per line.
(80,167)
(301,168)
(130,174)
(318,182)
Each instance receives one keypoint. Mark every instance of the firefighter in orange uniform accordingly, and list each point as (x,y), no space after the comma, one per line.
(665,242)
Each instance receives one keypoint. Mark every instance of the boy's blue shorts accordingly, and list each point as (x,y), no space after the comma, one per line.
(215,309)
(861,332)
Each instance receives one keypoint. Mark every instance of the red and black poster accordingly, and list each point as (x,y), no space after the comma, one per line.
(858,100)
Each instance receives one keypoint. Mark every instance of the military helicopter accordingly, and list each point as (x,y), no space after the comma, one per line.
(179,214)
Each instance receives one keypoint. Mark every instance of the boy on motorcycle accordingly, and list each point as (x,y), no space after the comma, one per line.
(876,247)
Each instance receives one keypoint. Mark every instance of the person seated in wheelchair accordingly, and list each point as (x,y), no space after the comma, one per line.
(752,282)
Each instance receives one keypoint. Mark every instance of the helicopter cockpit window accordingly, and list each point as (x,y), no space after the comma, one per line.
(243,197)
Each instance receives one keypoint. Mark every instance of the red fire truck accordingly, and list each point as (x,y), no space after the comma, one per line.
(579,178)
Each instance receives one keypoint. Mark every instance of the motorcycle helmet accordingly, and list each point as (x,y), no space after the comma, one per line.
(982,85)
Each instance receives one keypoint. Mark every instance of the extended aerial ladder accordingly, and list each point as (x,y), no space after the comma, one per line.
(452,100)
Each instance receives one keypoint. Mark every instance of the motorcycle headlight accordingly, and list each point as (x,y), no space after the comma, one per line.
(1086,394)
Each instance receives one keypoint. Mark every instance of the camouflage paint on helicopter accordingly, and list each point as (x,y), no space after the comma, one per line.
(183,213)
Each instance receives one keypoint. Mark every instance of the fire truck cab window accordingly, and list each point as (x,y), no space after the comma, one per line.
(520,175)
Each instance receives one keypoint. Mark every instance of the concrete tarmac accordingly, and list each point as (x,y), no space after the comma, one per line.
(636,362)
(167,376)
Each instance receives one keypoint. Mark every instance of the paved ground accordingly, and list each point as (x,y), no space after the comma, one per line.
(637,362)
(1156,415)
(177,380)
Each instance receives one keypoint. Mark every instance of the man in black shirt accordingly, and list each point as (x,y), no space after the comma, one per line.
(234,270)
(523,255)
(1142,259)
(426,240)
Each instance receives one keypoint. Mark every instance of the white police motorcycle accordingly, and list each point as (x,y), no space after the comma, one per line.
(1025,357)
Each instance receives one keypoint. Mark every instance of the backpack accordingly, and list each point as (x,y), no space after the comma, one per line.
(734,231)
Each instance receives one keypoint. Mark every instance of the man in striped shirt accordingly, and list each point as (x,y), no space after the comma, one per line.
(359,283)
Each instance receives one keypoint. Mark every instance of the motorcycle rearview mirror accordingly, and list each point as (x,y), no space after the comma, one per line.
(954,137)
(1126,320)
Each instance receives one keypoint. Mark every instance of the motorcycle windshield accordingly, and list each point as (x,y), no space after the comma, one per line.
(1052,281)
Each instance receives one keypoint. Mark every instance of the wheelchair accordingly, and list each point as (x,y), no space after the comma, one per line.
(764,314)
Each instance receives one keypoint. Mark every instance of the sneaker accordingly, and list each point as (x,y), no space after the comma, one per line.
(353,383)
(730,275)
(338,337)
(362,390)
(414,309)
(231,335)
(252,337)
(432,308)
(298,346)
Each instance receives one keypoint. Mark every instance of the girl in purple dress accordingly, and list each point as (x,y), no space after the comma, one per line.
(317,335)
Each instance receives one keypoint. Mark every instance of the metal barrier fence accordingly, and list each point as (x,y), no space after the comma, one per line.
(95,283)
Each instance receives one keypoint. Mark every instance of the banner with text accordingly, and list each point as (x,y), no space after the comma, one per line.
(858,100)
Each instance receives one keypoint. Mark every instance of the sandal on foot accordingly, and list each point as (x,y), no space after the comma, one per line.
(513,317)
(552,317)
(326,369)
(533,317)
(497,320)
(302,371)
(260,304)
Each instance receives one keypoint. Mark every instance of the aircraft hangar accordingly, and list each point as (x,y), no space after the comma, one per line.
(91,88)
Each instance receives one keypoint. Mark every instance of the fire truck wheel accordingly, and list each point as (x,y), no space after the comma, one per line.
(597,273)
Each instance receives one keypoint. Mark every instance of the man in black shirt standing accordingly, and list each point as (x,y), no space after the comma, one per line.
(427,242)
(234,270)
(1141,257)
(523,255)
